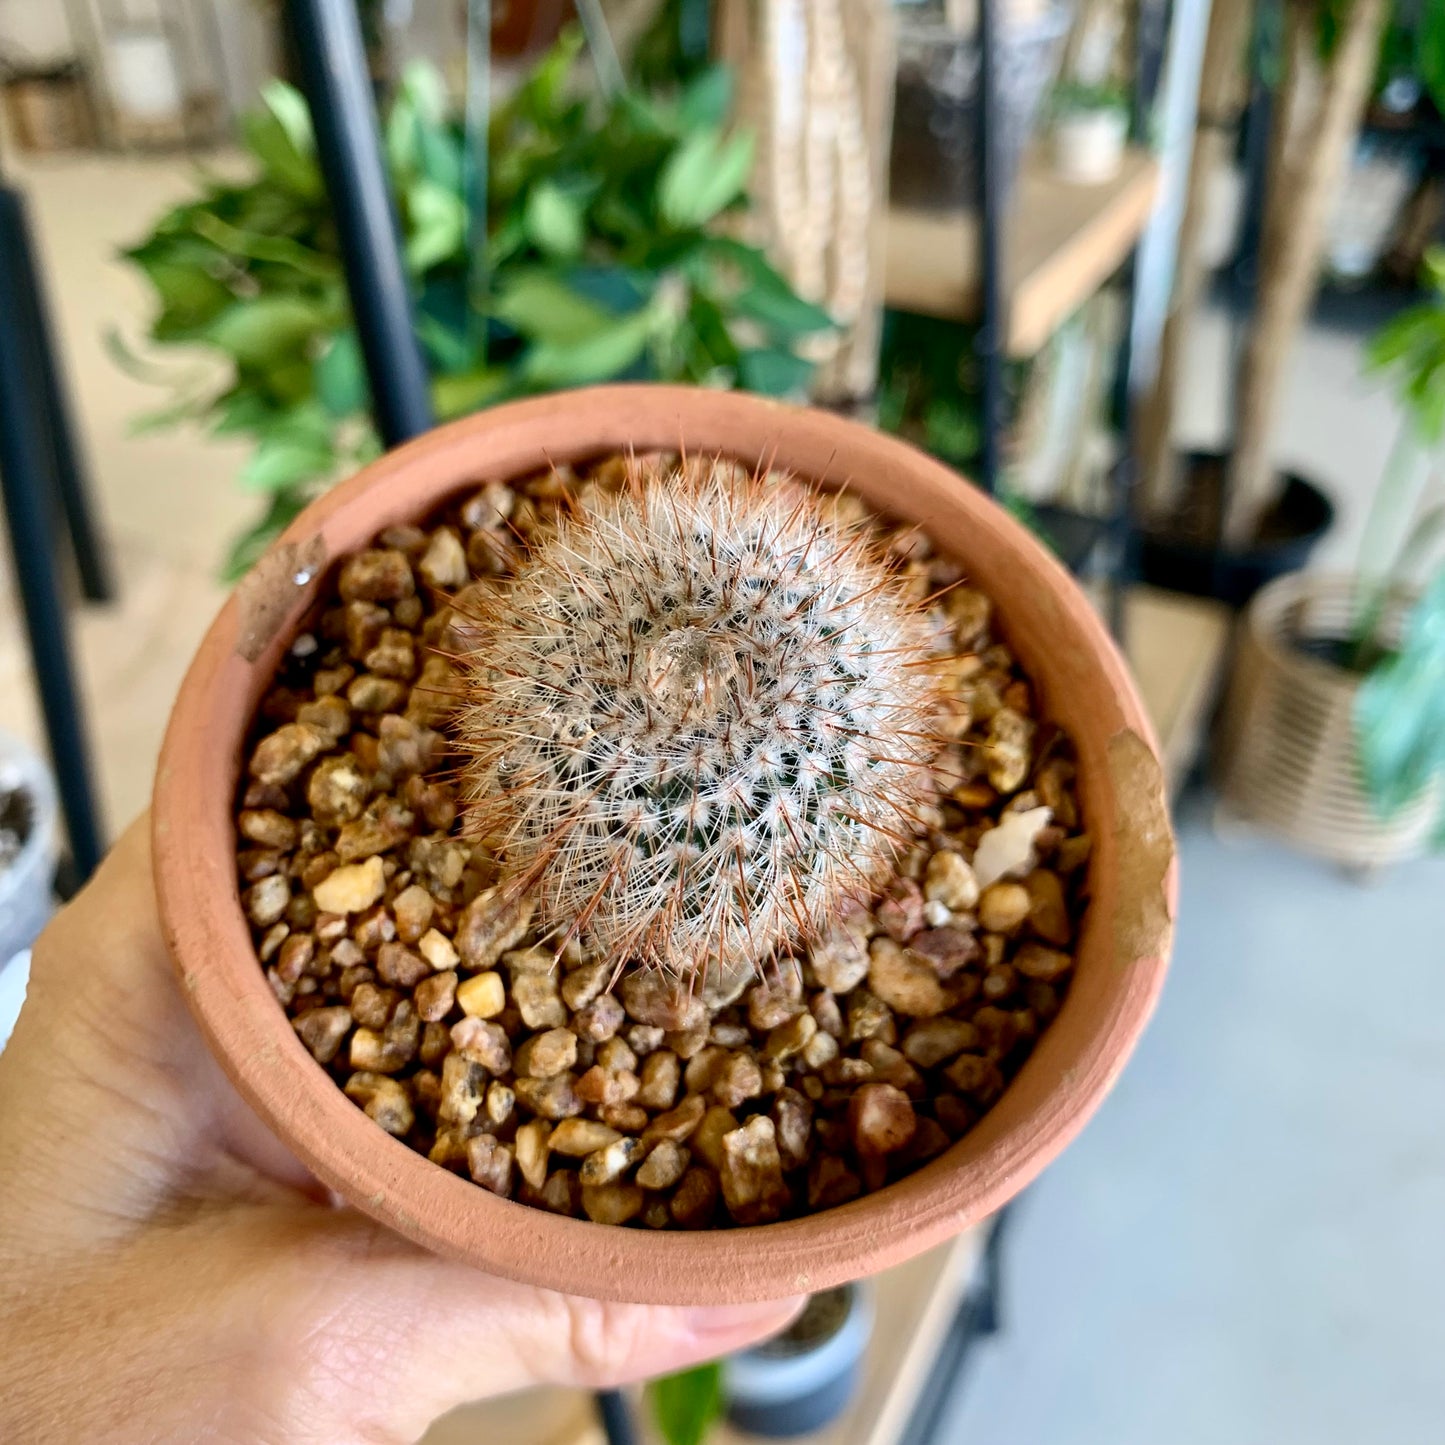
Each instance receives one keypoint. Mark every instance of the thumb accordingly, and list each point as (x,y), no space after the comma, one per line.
(422,1335)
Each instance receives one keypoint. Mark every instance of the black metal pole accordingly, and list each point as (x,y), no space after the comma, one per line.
(92,565)
(992,198)
(1153,25)
(348,145)
(26,481)
(616,1418)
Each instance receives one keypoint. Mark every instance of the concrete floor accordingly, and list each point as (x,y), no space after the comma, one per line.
(1247,1245)
(1249,1242)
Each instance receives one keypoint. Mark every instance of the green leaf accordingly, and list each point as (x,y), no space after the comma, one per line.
(1430,52)
(607,354)
(448,348)
(268,330)
(280,137)
(708,100)
(773,372)
(419,141)
(190,295)
(464,393)
(702,176)
(1400,710)
(436,224)
(553,221)
(279,463)
(686,1405)
(542,307)
(341,376)
(282,250)
(242,410)
(544,94)
(775,305)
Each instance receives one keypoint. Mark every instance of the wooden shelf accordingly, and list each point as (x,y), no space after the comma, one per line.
(1061,243)
(1176,646)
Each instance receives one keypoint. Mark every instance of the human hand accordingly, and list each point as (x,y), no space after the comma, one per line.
(168,1272)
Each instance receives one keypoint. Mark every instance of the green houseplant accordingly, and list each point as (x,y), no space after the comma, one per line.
(1335,736)
(602,258)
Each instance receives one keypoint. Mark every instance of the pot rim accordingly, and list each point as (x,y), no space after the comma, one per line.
(1122,950)
(1272,619)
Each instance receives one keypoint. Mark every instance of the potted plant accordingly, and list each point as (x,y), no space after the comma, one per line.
(1334,734)
(346,915)
(794,1384)
(1223,524)
(1090,128)
(603,260)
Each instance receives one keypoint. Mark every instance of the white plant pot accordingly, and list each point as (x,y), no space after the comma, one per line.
(780,1390)
(25,883)
(1089,146)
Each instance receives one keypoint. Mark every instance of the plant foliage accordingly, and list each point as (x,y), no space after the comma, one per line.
(601,259)
(686,1405)
(1400,711)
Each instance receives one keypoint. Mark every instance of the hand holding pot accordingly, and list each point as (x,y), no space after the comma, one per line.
(171,1273)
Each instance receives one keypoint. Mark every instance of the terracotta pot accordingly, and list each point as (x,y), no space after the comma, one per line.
(1121,955)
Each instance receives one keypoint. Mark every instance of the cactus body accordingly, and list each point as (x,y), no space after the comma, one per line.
(699,720)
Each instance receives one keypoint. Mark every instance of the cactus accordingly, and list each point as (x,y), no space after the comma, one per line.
(699,721)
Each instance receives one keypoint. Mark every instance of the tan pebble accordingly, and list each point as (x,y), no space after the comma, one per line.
(679,1123)
(385,1101)
(413,908)
(931,1042)
(613,1203)
(531,1148)
(490,1164)
(950,881)
(840,960)
(610,1162)
(437,949)
(547,1054)
(351,888)
(444,563)
(903,983)
(579,1137)
(435,996)
(1035,961)
(1048,912)
(880,1119)
(751,1172)
(1002,907)
(482,996)
(664,1166)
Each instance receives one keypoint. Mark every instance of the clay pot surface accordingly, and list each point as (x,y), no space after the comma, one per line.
(1084,685)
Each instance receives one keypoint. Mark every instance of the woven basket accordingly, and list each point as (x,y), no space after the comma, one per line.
(1288,755)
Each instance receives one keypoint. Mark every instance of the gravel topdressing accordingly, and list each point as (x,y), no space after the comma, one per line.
(420,981)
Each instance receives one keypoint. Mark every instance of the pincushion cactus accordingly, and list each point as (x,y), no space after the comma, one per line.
(700,720)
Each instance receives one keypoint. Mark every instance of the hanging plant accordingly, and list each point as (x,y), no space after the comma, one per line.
(603,258)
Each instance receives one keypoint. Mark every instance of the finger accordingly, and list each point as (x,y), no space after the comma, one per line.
(427,1335)
(106,1042)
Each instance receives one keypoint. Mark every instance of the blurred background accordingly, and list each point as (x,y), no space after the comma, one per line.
(1162,275)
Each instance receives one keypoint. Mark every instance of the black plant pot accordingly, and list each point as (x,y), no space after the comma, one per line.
(1181,553)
